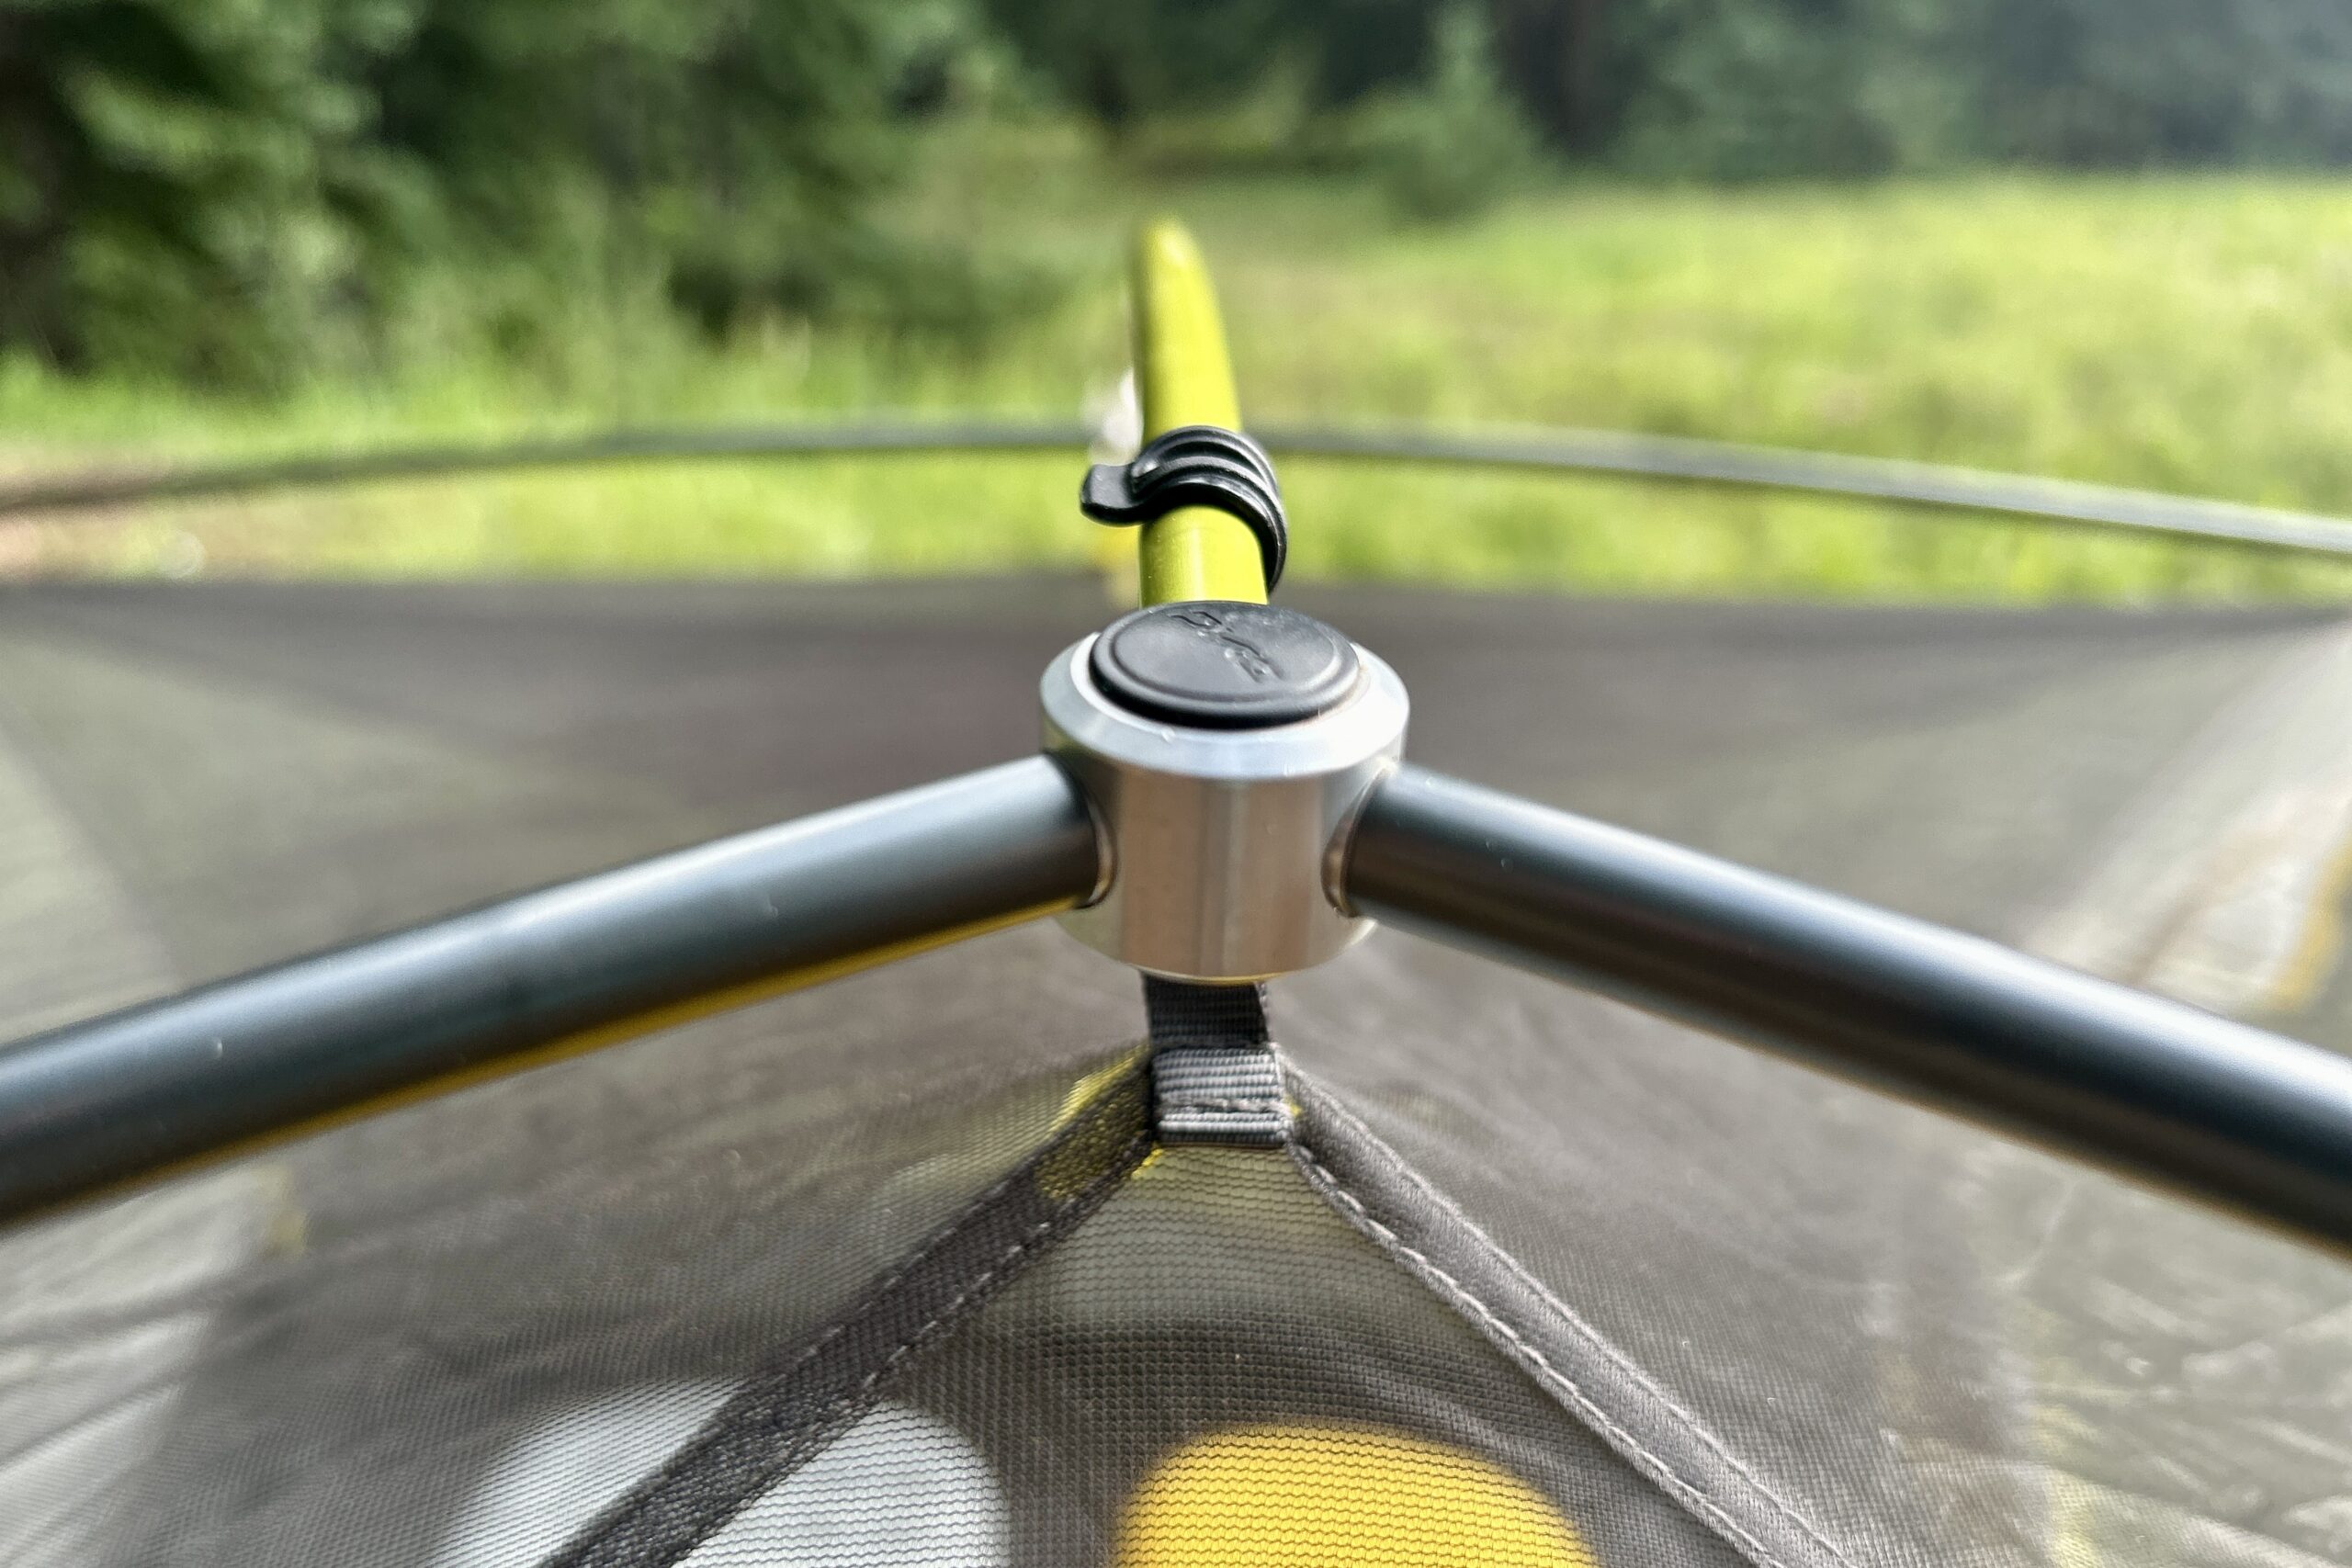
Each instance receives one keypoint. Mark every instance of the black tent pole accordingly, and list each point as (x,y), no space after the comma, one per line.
(2181,1099)
(1620,454)
(276,1052)
(2216,1110)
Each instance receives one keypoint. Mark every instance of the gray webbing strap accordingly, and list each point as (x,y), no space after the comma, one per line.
(1215,1075)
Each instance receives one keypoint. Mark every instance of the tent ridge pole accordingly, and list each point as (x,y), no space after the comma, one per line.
(2215,1109)
(339,1034)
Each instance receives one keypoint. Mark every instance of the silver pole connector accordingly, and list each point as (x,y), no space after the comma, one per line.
(1224,750)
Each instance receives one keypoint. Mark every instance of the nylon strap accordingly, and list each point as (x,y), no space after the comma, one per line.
(1215,1077)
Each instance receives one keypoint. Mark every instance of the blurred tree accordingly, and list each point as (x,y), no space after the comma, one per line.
(1139,59)
(231,190)
(226,189)
(1756,88)
(1363,47)
(735,143)
(1750,88)
(179,169)
(1556,57)
(2161,81)
(1456,142)
(1744,88)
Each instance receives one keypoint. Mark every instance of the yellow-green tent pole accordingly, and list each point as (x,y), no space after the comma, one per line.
(1184,376)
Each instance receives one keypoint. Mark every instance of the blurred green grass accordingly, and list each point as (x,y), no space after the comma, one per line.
(2191,334)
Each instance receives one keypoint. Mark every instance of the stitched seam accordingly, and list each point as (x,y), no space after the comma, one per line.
(947,1232)
(916,1340)
(1600,1345)
(1691,1495)
(821,1425)
(890,1281)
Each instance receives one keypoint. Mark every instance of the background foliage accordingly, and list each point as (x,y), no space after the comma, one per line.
(235,191)
(229,189)
(2185,331)
(2089,238)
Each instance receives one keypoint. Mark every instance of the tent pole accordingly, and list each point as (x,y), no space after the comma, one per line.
(1185,377)
(2180,1098)
(323,1039)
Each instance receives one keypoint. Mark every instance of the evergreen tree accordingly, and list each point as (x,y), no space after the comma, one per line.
(1750,88)
(227,188)
(2093,83)
(1123,62)
(189,172)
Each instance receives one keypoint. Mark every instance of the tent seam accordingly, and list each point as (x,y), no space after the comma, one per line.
(615,1530)
(1321,1176)
(1602,1346)
(820,1426)
(1691,1495)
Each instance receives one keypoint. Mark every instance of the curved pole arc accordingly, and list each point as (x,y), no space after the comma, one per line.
(2183,1100)
(285,1051)
(1669,459)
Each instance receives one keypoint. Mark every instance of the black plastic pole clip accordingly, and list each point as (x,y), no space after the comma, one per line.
(1195,465)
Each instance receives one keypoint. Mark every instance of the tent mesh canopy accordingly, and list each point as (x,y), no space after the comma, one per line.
(899,1270)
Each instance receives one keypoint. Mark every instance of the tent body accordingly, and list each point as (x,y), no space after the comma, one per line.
(894,1271)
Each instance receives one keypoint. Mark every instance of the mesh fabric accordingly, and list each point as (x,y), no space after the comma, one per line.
(1217,1316)
(1942,1348)
(317,1357)
(452,1336)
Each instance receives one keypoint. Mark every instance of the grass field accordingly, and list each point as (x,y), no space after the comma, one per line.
(2188,334)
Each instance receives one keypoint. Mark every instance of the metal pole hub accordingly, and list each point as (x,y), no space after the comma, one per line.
(1226,749)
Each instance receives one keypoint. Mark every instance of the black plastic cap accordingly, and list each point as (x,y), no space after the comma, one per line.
(1219,665)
